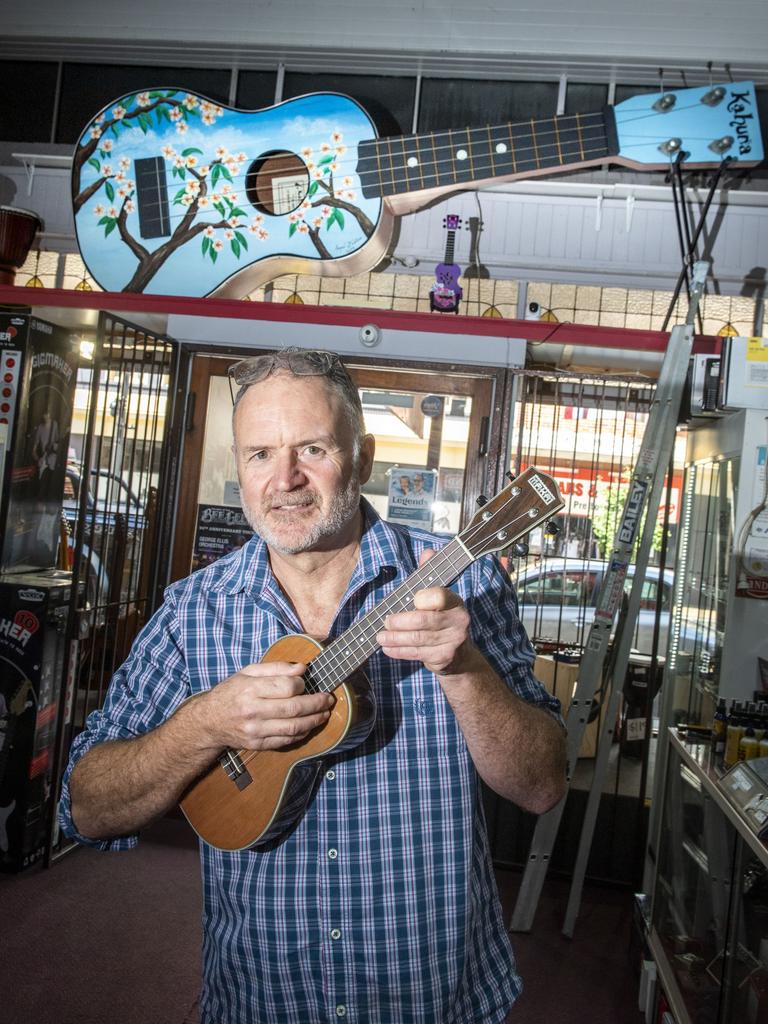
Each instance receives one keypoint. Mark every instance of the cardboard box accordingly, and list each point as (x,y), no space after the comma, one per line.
(559,678)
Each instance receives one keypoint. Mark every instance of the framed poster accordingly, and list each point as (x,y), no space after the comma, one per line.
(411,496)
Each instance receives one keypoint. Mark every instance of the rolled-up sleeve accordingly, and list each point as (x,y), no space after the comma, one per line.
(498,632)
(143,693)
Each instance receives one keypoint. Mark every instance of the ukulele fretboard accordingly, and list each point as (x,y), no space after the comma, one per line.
(411,163)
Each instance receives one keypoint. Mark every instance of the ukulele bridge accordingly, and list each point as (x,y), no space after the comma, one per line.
(233,765)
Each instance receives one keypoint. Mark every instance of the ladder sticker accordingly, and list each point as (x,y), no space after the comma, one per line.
(633,510)
(611,598)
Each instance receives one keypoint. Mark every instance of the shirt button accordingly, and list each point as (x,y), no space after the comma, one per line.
(330,775)
(333,854)
(335,933)
(341,1010)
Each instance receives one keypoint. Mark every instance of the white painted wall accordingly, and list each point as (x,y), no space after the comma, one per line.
(657,31)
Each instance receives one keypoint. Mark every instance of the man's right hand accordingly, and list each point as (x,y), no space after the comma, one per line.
(264,707)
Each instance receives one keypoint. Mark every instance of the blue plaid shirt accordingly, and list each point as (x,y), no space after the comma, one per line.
(381,906)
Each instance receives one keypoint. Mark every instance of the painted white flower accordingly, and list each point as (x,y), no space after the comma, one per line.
(168,152)
(99,119)
(336,136)
(178,161)
(221,153)
(218,111)
(306,205)
(192,187)
(182,128)
(175,114)
(325,148)
(310,165)
(229,234)
(95,132)
(326,211)
(209,232)
(216,197)
(112,211)
(306,153)
(125,163)
(143,99)
(317,222)
(98,210)
(292,218)
(106,170)
(190,101)
(233,167)
(351,196)
(234,222)
(341,150)
(347,182)
(191,160)
(232,197)
(217,244)
(130,184)
(303,228)
(258,219)
(226,188)
(187,200)
(204,169)
(333,166)
(120,176)
(206,107)
(203,202)
(122,192)
(263,234)
(241,157)
(119,113)
(208,118)
(129,206)
(106,145)
(317,174)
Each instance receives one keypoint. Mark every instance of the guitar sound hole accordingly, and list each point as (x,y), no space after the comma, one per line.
(277,183)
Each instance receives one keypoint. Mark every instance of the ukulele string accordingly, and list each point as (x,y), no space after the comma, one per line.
(399,599)
(334,661)
(542,148)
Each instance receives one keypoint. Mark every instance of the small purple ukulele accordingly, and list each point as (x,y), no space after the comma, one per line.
(445,294)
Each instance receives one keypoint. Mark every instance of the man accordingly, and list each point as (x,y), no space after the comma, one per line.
(380,905)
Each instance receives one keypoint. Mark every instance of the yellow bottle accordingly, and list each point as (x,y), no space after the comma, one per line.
(748,745)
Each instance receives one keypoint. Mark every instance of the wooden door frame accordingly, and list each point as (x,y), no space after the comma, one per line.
(490,387)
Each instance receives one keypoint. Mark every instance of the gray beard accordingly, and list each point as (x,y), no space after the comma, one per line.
(343,507)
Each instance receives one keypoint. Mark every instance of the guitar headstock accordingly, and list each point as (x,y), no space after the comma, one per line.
(531,499)
(707,125)
(452,222)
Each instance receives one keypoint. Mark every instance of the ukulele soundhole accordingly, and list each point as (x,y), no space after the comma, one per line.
(277,183)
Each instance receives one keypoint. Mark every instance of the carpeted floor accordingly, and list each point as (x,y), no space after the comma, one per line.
(115,939)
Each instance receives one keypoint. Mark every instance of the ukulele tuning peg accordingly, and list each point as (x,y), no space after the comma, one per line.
(520,549)
(552,528)
(482,500)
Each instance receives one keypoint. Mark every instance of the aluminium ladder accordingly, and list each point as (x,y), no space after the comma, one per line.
(644,493)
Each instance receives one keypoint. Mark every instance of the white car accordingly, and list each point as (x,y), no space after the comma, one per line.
(558,597)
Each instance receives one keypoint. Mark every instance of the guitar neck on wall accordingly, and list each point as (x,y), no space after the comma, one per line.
(175,194)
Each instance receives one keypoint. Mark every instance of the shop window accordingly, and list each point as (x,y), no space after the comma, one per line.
(29,90)
(86,88)
(255,89)
(468,103)
(388,99)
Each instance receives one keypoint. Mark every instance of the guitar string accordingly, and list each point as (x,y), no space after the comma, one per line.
(388,184)
(402,596)
(516,153)
(330,661)
(582,122)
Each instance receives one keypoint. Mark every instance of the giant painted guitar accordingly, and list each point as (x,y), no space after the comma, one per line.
(174,194)
(252,797)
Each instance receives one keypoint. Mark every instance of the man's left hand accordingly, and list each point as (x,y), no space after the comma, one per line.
(436,632)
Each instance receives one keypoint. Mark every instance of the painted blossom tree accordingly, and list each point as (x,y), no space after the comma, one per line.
(209,184)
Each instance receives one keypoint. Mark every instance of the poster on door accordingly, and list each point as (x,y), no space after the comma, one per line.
(411,496)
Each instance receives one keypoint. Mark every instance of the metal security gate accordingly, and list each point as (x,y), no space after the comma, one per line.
(585,429)
(118,502)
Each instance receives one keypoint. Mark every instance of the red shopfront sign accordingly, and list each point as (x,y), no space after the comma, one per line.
(584,490)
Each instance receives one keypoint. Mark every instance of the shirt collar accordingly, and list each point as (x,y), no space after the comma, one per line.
(384,553)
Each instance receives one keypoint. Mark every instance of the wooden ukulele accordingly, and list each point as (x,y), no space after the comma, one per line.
(248,798)
(174,194)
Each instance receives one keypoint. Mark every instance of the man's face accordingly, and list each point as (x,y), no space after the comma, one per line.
(299,480)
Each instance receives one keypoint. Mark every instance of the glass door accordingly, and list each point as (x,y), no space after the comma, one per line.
(439,441)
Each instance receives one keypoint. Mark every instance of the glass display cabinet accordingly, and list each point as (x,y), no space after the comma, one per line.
(709,919)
